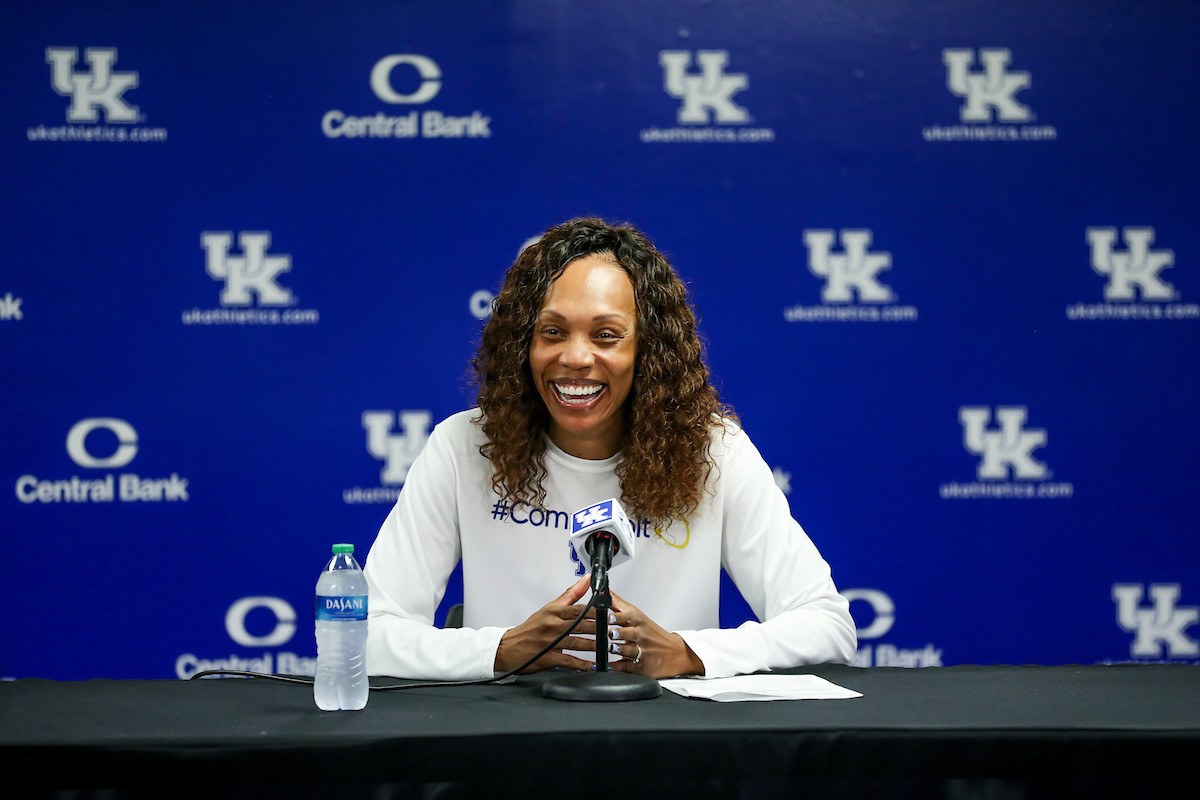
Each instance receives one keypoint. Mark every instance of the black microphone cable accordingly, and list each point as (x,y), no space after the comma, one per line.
(402,686)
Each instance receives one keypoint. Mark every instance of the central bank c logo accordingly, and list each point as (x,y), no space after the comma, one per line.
(885,611)
(427,68)
(126,435)
(285,621)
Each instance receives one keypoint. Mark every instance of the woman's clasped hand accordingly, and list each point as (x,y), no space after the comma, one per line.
(643,647)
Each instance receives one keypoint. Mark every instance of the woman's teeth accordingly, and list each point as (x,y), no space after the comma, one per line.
(575,394)
(578,391)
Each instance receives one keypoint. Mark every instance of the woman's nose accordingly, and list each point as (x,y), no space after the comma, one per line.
(577,354)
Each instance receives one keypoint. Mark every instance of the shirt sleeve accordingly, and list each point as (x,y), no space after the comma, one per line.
(780,573)
(407,570)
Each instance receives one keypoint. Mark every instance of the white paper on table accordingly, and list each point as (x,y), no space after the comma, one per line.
(759,687)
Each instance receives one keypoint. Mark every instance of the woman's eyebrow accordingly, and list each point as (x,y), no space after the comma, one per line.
(549,312)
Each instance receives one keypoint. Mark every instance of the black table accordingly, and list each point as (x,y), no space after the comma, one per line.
(1102,726)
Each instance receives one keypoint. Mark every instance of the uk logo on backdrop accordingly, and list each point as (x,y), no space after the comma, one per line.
(708,107)
(1133,280)
(990,110)
(396,446)
(853,290)
(404,80)
(882,617)
(251,291)
(1158,623)
(10,307)
(277,618)
(90,444)
(1008,465)
(98,109)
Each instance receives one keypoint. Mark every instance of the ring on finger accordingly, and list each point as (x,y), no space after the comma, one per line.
(638,659)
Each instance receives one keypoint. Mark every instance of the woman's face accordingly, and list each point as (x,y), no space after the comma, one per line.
(582,356)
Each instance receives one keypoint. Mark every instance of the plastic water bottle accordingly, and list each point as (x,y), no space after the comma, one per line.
(341,682)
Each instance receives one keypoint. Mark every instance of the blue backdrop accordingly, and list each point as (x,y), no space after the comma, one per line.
(944,254)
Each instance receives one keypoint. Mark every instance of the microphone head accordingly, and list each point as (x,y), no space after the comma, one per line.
(603,516)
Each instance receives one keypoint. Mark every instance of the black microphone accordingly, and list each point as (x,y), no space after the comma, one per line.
(604,534)
(601,546)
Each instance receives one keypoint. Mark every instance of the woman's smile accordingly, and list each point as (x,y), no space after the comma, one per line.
(578,394)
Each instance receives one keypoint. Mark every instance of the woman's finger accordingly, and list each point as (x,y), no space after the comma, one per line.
(576,643)
(571,612)
(564,660)
(629,652)
(576,591)
(620,604)
(588,625)
(621,619)
(624,634)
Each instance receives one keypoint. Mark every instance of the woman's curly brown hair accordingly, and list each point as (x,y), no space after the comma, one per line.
(671,409)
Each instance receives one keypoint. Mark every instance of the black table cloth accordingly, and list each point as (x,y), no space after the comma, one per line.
(1120,722)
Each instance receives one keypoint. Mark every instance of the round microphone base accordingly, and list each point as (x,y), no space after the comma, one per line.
(601,687)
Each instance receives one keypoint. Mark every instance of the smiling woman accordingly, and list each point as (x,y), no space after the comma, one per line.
(582,355)
(592,384)
(664,414)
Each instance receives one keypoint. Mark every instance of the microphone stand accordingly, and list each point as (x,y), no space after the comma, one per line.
(603,685)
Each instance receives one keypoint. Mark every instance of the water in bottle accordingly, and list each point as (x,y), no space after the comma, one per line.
(341,634)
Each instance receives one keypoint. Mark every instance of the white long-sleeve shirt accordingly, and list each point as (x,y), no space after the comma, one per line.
(516,559)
